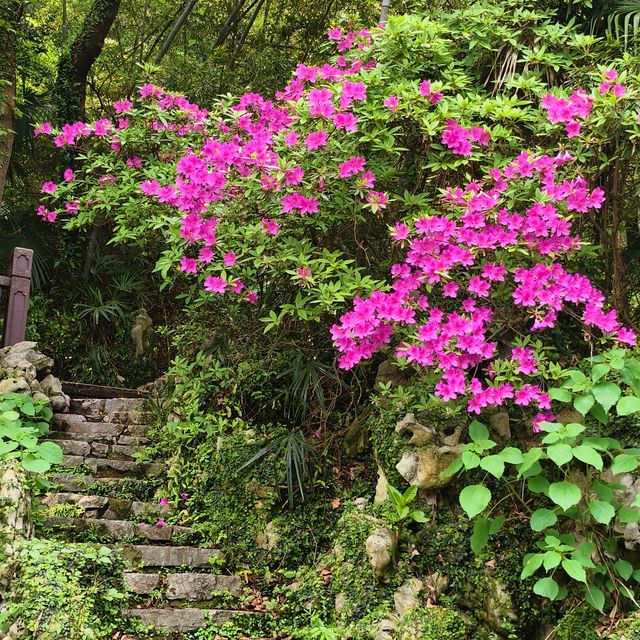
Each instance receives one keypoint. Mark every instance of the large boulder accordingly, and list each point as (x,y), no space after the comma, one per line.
(381,547)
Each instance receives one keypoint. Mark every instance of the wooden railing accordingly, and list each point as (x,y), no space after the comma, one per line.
(18,283)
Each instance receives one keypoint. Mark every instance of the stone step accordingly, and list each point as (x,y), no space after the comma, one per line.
(105,430)
(117,529)
(75,483)
(142,556)
(190,587)
(181,620)
(107,507)
(102,406)
(78,447)
(106,467)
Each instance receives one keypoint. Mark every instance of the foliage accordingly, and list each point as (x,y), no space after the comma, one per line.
(569,469)
(434,623)
(64,591)
(23,421)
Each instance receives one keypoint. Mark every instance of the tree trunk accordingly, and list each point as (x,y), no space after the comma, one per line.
(77,59)
(11,13)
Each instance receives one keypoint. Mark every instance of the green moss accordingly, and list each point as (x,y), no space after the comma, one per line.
(627,629)
(578,624)
(434,623)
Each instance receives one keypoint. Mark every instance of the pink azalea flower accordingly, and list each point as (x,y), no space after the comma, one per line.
(229,259)
(161,523)
(48,187)
(214,284)
(68,175)
(188,265)
(163,501)
(316,139)
(270,227)
(619,90)
(392,103)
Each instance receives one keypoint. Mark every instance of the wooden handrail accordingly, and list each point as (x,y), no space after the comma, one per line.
(19,284)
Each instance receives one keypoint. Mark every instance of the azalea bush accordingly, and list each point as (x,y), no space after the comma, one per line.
(475,185)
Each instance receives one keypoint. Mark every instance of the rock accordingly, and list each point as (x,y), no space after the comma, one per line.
(389,371)
(51,385)
(14,385)
(406,597)
(25,357)
(498,607)
(420,435)
(141,583)
(269,538)
(382,492)
(570,415)
(201,586)
(60,403)
(423,466)
(434,583)
(143,555)
(182,619)
(361,504)
(386,629)
(499,423)
(381,546)
(340,601)
(39,396)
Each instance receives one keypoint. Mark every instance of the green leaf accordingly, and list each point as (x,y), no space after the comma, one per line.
(624,463)
(603,512)
(470,459)
(547,588)
(574,569)
(529,459)
(496,524)
(542,518)
(480,535)
(35,465)
(584,403)
(627,515)
(551,560)
(10,416)
(538,484)
(50,451)
(598,412)
(478,431)
(474,499)
(599,370)
(623,568)
(560,453)
(607,394)
(512,455)
(560,394)
(395,497)
(493,465)
(452,469)
(531,563)
(588,455)
(628,405)
(594,597)
(566,494)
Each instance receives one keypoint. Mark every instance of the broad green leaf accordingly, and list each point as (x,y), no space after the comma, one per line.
(574,569)
(599,371)
(474,499)
(560,453)
(594,597)
(551,560)
(628,405)
(538,484)
(624,463)
(529,459)
(10,416)
(495,524)
(478,431)
(566,494)
(623,568)
(452,469)
(547,588)
(584,403)
(560,394)
(607,394)
(50,451)
(480,535)
(7,447)
(470,460)
(512,455)
(531,563)
(493,465)
(542,518)
(35,465)
(626,515)
(603,512)
(598,412)
(588,455)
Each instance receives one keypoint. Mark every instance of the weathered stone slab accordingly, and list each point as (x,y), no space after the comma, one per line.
(87,406)
(136,441)
(75,447)
(141,583)
(180,620)
(201,586)
(122,404)
(118,529)
(130,417)
(96,430)
(137,555)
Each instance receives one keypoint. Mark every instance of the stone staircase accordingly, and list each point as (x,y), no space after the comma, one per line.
(103,495)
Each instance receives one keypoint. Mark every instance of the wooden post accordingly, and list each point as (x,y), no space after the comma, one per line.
(19,284)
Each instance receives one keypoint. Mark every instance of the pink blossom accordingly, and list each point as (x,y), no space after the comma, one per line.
(214,284)
(619,90)
(122,106)
(188,265)
(163,501)
(68,175)
(400,231)
(392,103)
(229,259)
(270,227)
(611,75)
(351,167)
(316,139)
(48,187)
(335,33)
(346,121)
(161,523)
(45,128)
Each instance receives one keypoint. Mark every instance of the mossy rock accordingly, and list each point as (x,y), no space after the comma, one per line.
(627,629)
(433,623)
(578,624)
